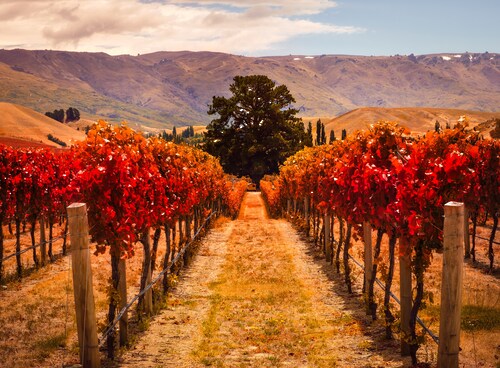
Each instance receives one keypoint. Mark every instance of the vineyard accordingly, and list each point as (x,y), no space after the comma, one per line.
(388,182)
(138,191)
(364,203)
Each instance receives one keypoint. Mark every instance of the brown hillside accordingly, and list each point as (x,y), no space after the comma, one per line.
(174,88)
(418,120)
(19,122)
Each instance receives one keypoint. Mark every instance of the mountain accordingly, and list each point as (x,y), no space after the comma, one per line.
(21,126)
(163,89)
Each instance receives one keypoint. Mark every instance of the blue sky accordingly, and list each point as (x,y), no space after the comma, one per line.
(253,27)
(404,27)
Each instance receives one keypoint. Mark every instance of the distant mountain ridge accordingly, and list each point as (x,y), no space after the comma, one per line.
(174,88)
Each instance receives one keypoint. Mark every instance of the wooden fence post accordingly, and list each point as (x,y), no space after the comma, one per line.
(367,239)
(82,285)
(306,213)
(328,249)
(405,289)
(148,295)
(43,244)
(451,285)
(122,290)
(466,233)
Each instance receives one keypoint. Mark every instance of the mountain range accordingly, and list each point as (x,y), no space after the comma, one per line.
(166,89)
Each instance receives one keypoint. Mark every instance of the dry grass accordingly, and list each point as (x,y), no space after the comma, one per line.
(21,122)
(38,327)
(260,312)
(479,338)
(270,308)
(418,119)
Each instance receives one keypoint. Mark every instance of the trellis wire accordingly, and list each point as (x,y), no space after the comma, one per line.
(110,328)
(379,283)
(480,237)
(34,246)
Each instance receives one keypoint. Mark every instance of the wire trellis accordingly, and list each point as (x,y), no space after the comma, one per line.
(179,254)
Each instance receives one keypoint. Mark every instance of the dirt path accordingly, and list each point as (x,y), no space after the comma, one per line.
(253,297)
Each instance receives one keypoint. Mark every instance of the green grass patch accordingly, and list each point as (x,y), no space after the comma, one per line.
(475,317)
(51,343)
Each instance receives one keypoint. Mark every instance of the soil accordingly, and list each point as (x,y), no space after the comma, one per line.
(256,297)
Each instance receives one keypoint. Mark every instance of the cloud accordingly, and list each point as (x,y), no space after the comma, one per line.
(283,7)
(132,26)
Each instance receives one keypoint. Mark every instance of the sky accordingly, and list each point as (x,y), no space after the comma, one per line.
(253,27)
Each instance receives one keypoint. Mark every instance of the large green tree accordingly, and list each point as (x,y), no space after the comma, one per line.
(256,128)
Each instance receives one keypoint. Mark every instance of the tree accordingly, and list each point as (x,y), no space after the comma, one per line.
(56,115)
(309,136)
(323,134)
(256,128)
(437,127)
(320,133)
(72,114)
(332,136)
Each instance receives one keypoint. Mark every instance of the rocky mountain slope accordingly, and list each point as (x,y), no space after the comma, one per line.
(174,88)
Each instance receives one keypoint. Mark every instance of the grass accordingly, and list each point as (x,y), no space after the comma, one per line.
(260,313)
(51,343)
(480,304)
(473,317)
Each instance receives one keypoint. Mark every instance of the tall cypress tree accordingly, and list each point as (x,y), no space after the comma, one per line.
(318,132)
(309,135)
(323,134)
(332,136)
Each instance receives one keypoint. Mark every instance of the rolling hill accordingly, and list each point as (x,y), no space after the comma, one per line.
(163,89)
(417,120)
(21,126)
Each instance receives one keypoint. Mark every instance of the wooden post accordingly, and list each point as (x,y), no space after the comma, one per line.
(122,290)
(82,285)
(43,244)
(405,288)
(187,254)
(367,239)
(148,295)
(466,233)
(288,206)
(306,213)
(188,228)
(451,285)
(328,250)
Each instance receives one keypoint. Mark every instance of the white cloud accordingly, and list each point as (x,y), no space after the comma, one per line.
(131,26)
